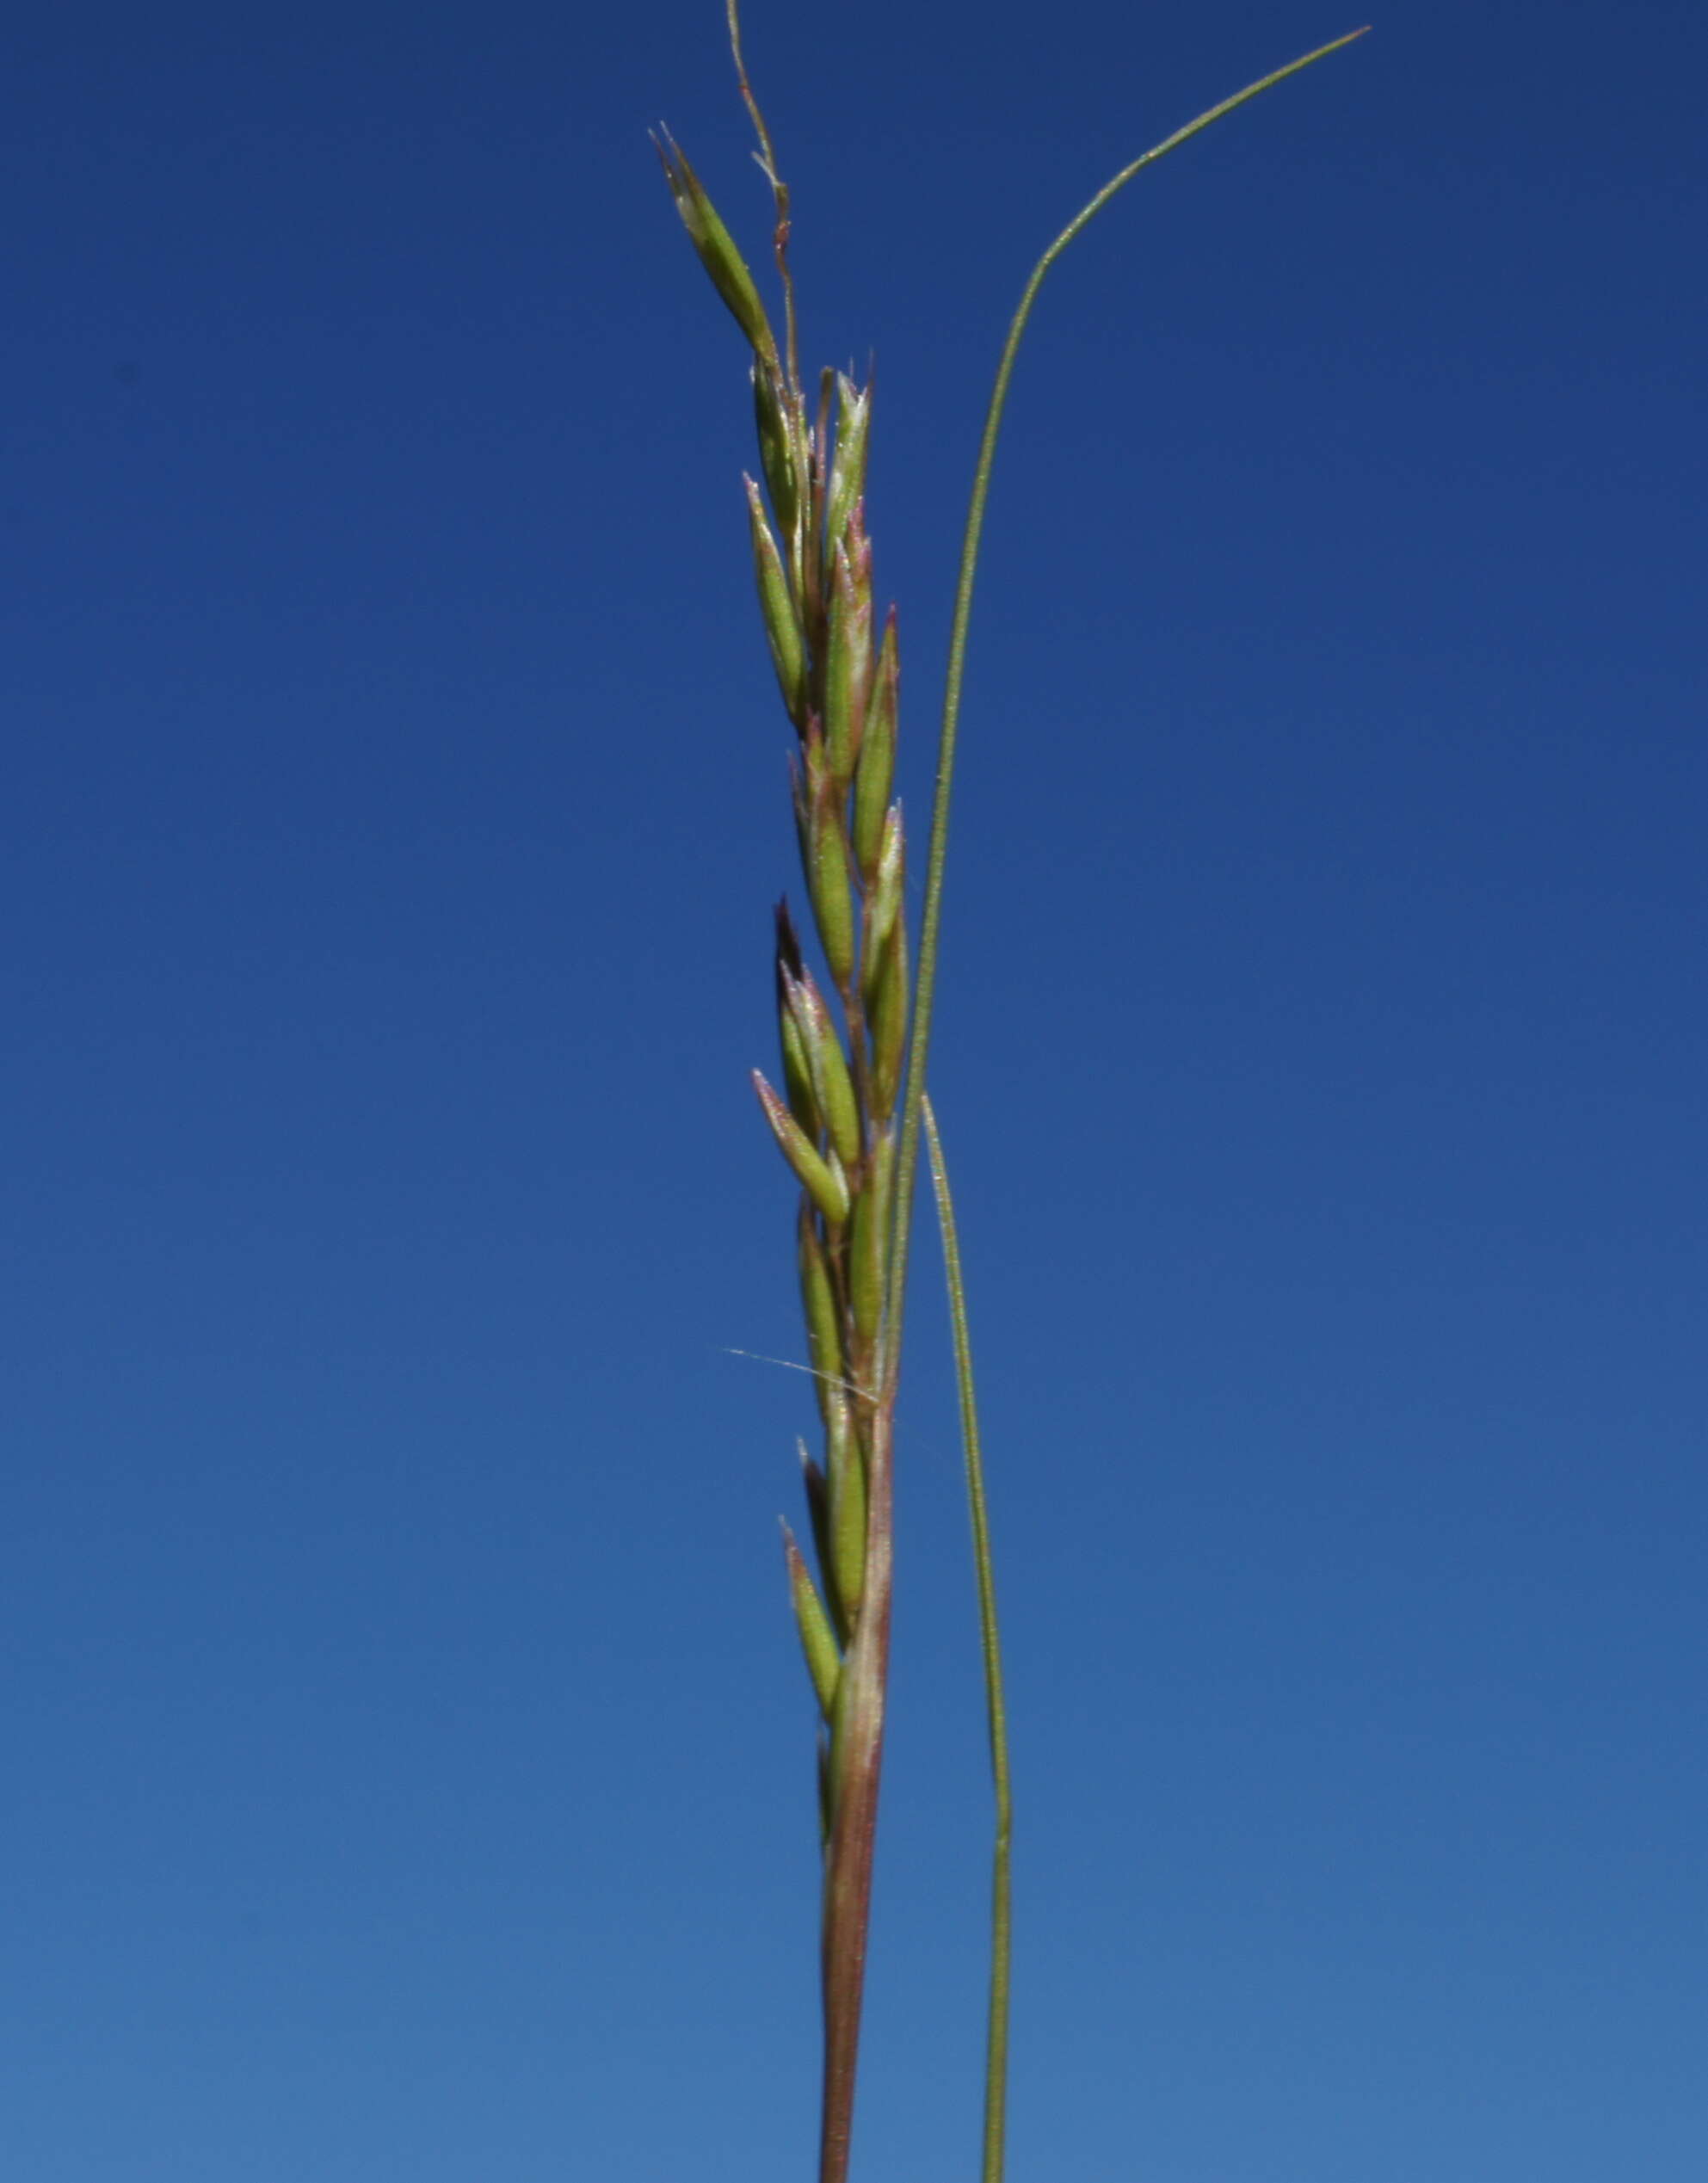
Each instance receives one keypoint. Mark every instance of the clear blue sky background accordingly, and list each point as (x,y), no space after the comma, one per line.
(408,1759)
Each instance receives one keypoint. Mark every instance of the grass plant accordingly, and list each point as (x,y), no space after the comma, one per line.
(850,1108)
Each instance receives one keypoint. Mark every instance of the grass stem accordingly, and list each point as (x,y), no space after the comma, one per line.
(916,1109)
(990,1644)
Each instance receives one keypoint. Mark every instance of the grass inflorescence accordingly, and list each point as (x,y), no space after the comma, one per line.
(850,1106)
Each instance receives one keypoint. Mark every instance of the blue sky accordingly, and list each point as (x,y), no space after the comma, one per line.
(410,1758)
